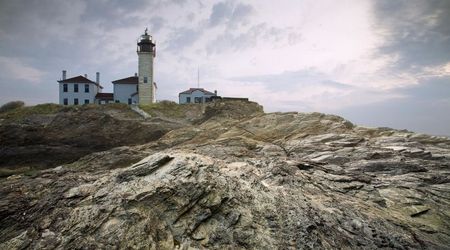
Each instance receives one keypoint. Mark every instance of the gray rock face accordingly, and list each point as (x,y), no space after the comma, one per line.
(271,181)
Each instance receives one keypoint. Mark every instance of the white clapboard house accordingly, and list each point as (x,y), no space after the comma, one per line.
(196,95)
(78,90)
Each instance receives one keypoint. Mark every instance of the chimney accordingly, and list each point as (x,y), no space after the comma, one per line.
(64,74)
(135,74)
(215,92)
(97,78)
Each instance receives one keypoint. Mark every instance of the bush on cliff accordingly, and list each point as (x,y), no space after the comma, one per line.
(11,106)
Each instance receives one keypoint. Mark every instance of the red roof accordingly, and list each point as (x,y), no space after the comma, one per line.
(104,96)
(128,80)
(189,91)
(79,79)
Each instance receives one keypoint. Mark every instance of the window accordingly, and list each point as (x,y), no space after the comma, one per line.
(86,101)
(65,87)
(75,101)
(117,101)
(66,102)
(129,100)
(86,88)
(188,99)
(207,99)
(197,99)
(75,88)
(145,79)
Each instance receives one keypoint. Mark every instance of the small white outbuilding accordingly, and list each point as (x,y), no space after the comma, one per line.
(196,95)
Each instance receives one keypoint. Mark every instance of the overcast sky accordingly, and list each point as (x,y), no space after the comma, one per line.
(377,63)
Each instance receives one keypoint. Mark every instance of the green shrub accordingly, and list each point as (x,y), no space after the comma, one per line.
(11,106)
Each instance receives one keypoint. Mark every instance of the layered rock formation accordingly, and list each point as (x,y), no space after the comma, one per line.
(244,179)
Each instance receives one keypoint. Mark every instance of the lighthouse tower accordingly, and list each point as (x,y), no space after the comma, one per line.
(146,52)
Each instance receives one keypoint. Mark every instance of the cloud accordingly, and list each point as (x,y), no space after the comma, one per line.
(21,81)
(157,23)
(113,14)
(229,13)
(233,40)
(308,90)
(16,69)
(220,13)
(422,108)
(434,89)
(241,13)
(416,32)
(37,21)
(181,38)
(290,80)
(179,2)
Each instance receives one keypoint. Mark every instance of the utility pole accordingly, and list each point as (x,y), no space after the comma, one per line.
(198,77)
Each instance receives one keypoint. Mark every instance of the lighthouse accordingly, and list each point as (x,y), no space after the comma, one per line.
(146,51)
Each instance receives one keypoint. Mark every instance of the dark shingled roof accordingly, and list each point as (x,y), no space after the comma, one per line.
(104,96)
(189,91)
(128,80)
(79,79)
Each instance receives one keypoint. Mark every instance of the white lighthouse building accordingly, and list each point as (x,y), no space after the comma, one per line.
(137,89)
(146,52)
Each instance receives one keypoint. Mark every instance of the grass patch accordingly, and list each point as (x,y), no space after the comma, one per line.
(94,106)
(22,112)
(166,108)
(118,106)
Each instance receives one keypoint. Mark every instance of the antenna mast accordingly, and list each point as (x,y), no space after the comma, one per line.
(198,77)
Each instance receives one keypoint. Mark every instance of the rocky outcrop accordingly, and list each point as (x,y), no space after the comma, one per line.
(42,141)
(266,181)
(38,141)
